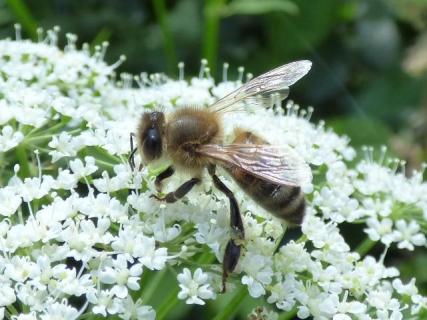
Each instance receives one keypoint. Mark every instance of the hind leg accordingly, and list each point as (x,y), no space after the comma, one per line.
(234,245)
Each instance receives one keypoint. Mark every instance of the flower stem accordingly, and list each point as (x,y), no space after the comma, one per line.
(169,46)
(23,14)
(233,304)
(169,303)
(365,246)
(210,37)
(152,286)
(22,157)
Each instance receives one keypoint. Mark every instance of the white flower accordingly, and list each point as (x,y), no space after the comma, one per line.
(194,288)
(7,295)
(121,276)
(380,230)
(83,170)
(259,273)
(58,310)
(104,302)
(10,202)
(25,316)
(149,256)
(408,235)
(135,310)
(9,139)
(64,145)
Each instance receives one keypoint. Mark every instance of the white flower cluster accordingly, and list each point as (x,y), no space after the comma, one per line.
(79,230)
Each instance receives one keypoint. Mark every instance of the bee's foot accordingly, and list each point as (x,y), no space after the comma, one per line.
(158,187)
(157,197)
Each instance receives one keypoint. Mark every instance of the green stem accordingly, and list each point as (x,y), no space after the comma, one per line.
(149,290)
(169,46)
(365,246)
(233,305)
(22,157)
(210,37)
(23,15)
(171,301)
(12,310)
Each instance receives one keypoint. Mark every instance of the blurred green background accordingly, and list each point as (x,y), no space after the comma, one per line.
(369,76)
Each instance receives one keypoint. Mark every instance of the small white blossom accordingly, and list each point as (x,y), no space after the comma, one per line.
(408,235)
(122,276)
(9,139)
(194,288)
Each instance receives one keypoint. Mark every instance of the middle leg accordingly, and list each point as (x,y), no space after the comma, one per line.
(180,192)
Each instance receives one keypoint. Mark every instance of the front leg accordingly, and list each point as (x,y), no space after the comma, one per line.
(133,150)
(180,192)
(163,175)
(233,248)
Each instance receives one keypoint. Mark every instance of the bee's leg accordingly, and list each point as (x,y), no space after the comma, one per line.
(180,192)
(131,158)
(233,248)
(165,174)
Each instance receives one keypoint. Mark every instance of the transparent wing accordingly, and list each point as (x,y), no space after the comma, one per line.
(277,80)
(280,165)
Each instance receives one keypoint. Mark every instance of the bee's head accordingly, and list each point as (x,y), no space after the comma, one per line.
(150,135)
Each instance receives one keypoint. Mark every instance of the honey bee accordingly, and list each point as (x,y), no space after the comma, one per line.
(192,139)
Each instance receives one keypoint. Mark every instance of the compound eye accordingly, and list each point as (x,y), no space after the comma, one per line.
(152,144)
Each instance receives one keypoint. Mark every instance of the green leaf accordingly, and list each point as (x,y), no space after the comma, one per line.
(243,7)
(362,130)
(23,16)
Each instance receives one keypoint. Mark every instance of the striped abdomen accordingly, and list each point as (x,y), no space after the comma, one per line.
(285,202)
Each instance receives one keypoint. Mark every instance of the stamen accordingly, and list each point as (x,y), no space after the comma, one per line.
(203,64)
(295,110)
(86,48)
(126,80)
(249,76)
(240,70)
(181,71)
(138,81)
(18,29)
(97,52)
(225,71)
(104,48)
(365,153)
(277,102)
(208,72)
(52,36)
(39,166)
(144,78)
(382,154)
(39,34)
(288,108)
(402,164)
(71,42)
(310,111)
(116,64)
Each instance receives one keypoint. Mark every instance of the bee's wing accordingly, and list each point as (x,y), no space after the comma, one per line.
(277,80)
(280,165)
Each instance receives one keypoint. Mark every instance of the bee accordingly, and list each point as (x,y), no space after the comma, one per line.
(192,139)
